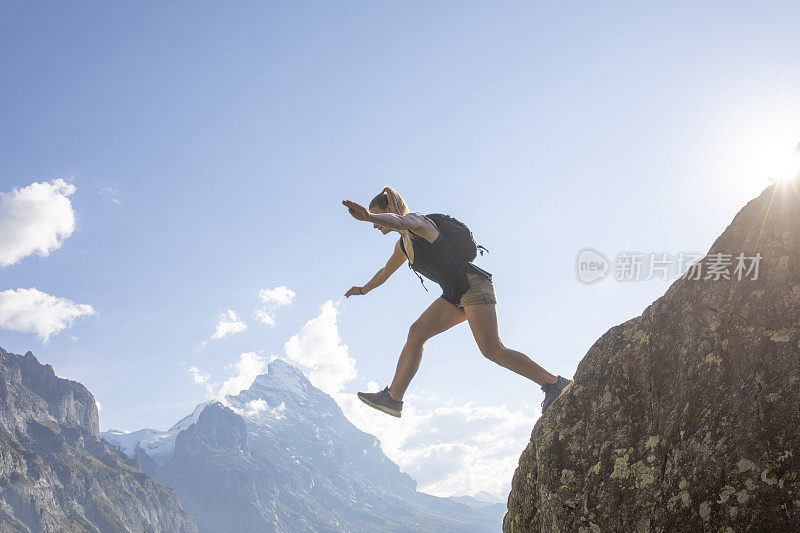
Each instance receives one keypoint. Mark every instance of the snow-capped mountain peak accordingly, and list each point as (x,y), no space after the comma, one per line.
(281,376)
(284,448)
(189,420)
(159,445)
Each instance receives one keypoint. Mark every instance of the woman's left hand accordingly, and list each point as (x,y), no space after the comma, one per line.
(359,212)
(354,291)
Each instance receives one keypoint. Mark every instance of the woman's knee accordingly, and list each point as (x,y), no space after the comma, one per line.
(418,333)
(492,350)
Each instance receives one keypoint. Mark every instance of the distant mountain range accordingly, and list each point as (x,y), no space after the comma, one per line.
(281,456)
(57,474)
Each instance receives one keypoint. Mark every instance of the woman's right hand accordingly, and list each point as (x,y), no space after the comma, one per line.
(359,212)
(354,291)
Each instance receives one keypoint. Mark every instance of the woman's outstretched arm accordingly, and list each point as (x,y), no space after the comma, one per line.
(412,221)
(394,262)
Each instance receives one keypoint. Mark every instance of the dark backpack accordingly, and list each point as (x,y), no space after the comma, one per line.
(458,237)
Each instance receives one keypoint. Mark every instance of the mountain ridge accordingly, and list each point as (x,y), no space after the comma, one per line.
(306,467)
(56,472)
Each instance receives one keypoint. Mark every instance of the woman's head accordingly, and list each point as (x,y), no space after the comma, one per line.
(388,201)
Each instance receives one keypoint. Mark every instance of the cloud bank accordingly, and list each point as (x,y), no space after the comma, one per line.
(449,449)
(35,220)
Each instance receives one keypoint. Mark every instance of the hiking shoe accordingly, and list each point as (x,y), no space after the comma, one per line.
(382,401)
(554,391)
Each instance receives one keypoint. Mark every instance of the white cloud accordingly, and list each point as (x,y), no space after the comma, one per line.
(228,324)
(265,317)
(256,407)
(33,311)
(111,193)
(271,299)
(278,296)
(449,449)
(318,347)
(99,407)
(249,366)
(35,219)
(201,378)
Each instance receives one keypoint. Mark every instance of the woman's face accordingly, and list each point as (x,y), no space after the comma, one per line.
(379,211)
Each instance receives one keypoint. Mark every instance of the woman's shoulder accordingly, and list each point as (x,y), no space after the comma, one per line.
(424,222)
(421,217)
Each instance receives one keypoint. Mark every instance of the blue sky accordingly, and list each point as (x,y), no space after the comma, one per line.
(210,146)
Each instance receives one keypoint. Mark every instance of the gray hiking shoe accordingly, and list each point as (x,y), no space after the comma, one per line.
(554,391)
(382,401)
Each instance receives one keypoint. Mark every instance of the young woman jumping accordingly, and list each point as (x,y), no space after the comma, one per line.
(467,294)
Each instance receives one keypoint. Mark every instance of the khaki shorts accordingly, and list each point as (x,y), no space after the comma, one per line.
(481,291)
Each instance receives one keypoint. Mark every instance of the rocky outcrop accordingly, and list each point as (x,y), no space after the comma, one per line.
(281,456)
(686,418)
(57,474)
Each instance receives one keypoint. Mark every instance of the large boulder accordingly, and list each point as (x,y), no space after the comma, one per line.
(686,418)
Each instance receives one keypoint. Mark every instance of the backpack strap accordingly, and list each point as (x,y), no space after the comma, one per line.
(403,247)
(420,278)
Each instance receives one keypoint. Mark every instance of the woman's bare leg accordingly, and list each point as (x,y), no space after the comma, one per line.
(440,316)
(483,323)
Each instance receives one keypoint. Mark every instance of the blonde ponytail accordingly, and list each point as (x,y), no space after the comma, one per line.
(390,200)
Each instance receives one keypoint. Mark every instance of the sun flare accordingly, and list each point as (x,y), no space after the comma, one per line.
(778,161)
(764,156)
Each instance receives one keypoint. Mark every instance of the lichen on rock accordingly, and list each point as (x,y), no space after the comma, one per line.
(686,418)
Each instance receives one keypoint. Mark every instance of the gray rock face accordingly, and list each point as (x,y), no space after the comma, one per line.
(686,418)
(283,457)
(57,474)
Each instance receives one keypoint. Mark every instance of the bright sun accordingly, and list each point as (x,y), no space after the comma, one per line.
(762,155)
(775,159)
